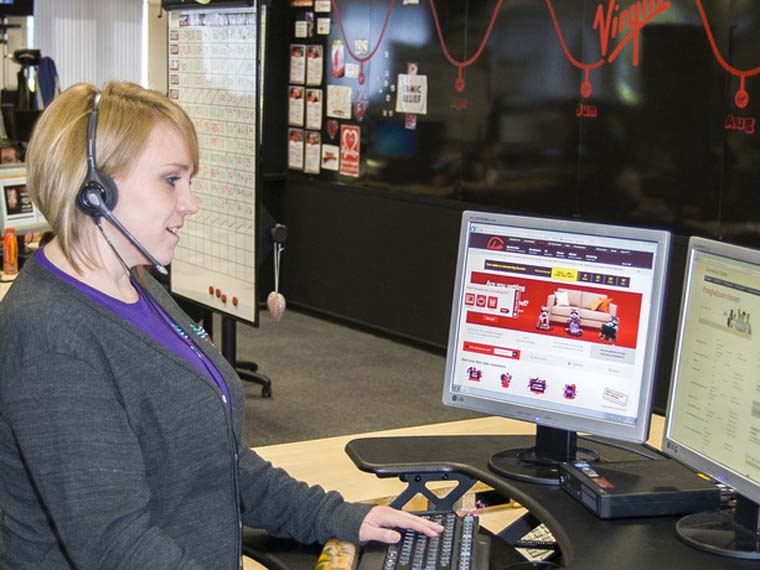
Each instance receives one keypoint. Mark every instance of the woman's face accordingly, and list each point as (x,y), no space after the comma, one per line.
(155,198)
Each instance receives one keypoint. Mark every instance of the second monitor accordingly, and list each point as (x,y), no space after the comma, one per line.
(555,322)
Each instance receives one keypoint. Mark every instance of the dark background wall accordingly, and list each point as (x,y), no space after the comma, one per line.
(661,151)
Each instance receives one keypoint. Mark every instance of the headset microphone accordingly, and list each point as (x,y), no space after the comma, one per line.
(92,197)
(98,194)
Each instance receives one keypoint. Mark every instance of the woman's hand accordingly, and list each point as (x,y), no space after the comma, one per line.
(380,522)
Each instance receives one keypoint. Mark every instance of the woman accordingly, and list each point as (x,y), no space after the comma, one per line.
(120,425)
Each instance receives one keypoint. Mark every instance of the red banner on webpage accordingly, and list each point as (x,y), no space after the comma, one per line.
(594,314)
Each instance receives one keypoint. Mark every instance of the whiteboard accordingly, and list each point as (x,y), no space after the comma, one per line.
(212,56)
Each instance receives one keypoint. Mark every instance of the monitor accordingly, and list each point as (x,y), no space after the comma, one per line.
(16,207)
(16,7)
(555,322)
(713,414)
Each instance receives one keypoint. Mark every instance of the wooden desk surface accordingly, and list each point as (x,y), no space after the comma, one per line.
(5,286)
(324,462)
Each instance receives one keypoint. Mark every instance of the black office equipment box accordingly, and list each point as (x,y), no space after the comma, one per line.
(641,488)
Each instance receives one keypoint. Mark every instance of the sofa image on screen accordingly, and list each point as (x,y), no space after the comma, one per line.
(595,308)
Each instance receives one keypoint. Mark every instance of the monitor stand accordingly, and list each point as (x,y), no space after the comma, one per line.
(540,463)
(727,533)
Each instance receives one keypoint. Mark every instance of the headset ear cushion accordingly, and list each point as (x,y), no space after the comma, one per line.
(106,190)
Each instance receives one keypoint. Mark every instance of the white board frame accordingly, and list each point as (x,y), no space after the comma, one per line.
(213,74)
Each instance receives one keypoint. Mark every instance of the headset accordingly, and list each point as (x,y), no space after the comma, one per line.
(98,194)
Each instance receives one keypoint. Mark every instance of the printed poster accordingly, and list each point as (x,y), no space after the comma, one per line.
(411,94)
(350,141)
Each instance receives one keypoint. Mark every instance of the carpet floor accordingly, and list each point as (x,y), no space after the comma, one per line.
(330,380)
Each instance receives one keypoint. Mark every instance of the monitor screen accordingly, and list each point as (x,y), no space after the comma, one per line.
(16,207)
(16,7)
(713,414)
(555,322)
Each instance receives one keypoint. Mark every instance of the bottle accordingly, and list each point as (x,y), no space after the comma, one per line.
(10,252)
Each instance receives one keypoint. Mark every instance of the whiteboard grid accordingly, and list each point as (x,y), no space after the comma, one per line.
(212,74)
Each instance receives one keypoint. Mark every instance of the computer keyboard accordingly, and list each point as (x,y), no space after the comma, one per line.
(458,547)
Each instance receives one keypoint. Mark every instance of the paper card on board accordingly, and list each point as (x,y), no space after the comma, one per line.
(302,29)
(314,65)
(339,101)
(350,142)
(352,70)
(314,109)
(297,63)
(295,105)
(323,26)
(411,94)
(312,154)
(337,58)
(330,157)
(295,149)
(322,5)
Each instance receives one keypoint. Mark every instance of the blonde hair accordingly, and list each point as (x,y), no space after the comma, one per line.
(57,154)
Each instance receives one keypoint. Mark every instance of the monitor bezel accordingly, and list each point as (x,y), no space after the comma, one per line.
(21,8)
(14,175)
(637,432)
(670,446)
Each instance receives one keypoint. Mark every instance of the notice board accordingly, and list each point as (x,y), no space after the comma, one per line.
(212,55)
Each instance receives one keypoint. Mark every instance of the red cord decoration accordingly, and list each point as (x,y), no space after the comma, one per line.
(585,67)
(369,56)
(742,97)
(460,65)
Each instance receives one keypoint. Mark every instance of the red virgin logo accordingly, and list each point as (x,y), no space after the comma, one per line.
(624,25)
(495,243)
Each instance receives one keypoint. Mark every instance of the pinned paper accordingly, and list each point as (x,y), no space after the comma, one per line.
(323,26)
(330,157)
(337,58)
(295,106)
(314,109)
(314,65)
(295,149)
(312,155)
(339,101)
(411,96)
(302,29)
(350,142)
(297,63)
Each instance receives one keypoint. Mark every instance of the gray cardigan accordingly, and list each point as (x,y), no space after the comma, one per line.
(115,453)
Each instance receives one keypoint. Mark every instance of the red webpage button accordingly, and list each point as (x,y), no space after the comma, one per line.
(492,350)
(475,318)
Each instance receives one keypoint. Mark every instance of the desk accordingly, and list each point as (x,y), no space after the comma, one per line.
(586,542)
(324,462)
(5,286)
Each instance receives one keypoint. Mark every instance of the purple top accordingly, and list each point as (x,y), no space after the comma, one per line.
(147,315)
